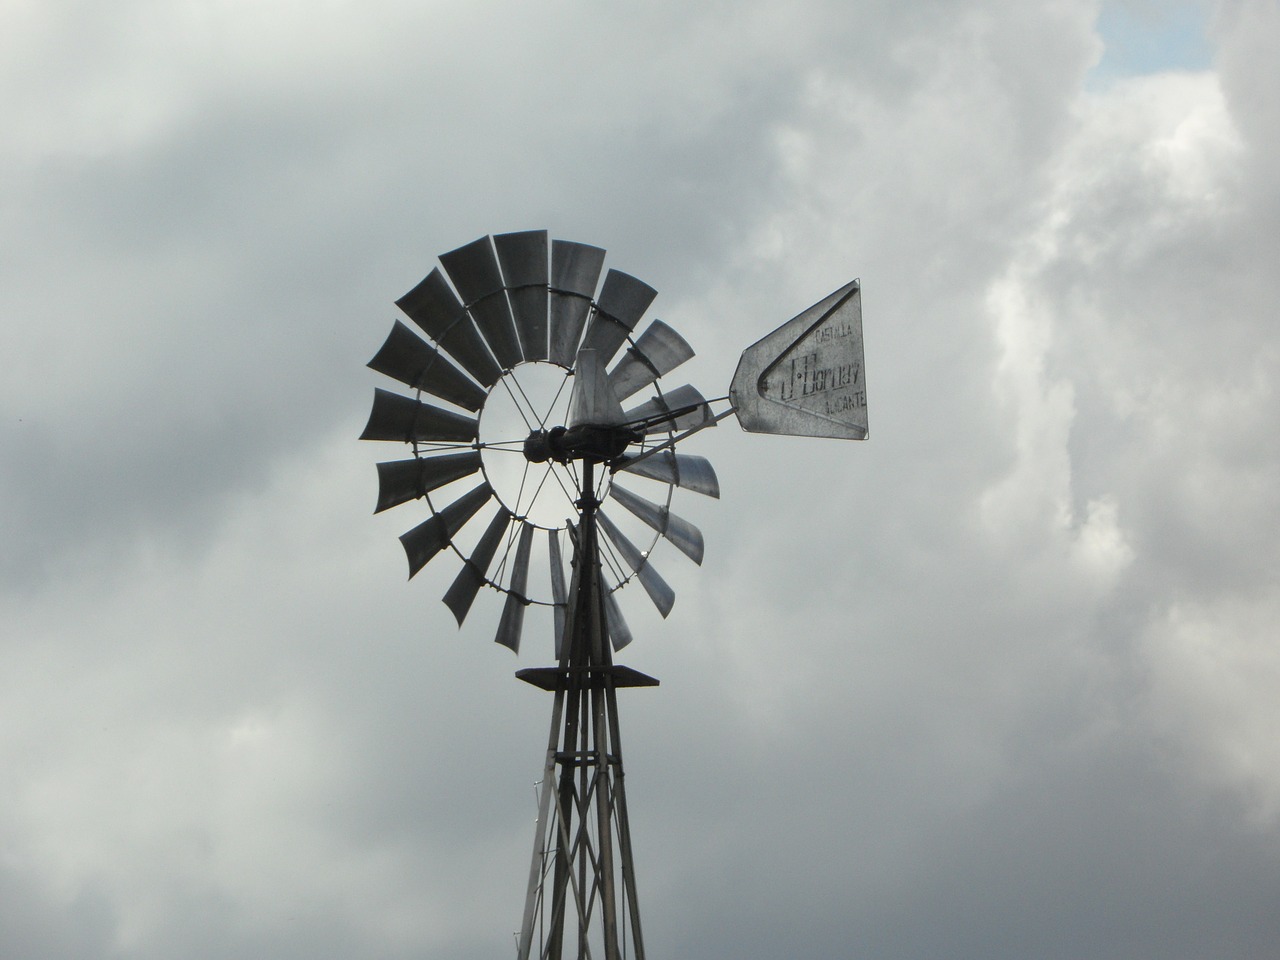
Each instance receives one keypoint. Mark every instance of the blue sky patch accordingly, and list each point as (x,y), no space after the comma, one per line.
(1151,37)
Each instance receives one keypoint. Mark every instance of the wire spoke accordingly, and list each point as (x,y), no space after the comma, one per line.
(440,446)
(515,400)
(611,560)
(550,472)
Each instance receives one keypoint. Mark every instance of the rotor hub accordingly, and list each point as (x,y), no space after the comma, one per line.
(597,443)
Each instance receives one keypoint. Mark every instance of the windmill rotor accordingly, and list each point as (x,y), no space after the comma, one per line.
(531,350)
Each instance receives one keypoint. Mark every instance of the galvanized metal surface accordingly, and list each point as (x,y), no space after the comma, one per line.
(523,259)
(559,596)
(434,534)
(408,358)
(434,307)
(682,469)
(394,417)
(473,575)
(592,402)
(619,633)
(477,277)
(659,591)
(622,302)
(512,622)
(686,537)
(657,352)
(683,408)
(807,378)
(575,270)
(400,481)
(575,903)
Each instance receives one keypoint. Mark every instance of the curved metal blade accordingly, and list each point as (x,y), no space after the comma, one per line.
(394,417)
(559,595)
(478,279)
(433,306)
(512,623)
(686,537)
(400,481)
(623,301)
(462,592)
(523,259)
(575,269)
(680,409)
(619,632)
(431,536)
(658,351)
(659,592)
(591,401)
(408,358)
(684,470)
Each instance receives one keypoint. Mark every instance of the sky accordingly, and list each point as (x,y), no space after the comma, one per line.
(1002,681)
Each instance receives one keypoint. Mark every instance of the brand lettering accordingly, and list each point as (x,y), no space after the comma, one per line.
(808,378)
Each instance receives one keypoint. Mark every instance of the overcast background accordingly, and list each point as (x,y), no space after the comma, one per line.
(1001,682)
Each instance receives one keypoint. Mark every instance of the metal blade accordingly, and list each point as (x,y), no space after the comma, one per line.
(684,470)
(408,358)
(394,417)
(686,537)
(575,269)
(400,481)
(523,258)
(559,595)
(623,301)
(430,537)
(475,273)
(658,351)
(434,308)
(663,596)
(680,409)
(512,622)
(591,401)
(462,592)
(619,632)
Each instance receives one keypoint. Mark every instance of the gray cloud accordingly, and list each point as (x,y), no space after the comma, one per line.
(998,683)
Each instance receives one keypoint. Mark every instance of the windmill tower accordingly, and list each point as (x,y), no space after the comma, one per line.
(539,429)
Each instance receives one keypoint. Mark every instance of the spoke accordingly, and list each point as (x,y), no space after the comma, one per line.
(533,411)
(432,446)
(610,559)
(524,477)
(555,400)
(570,495)
(506,383)
(549,472)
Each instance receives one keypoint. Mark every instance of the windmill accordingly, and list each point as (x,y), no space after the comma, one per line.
(528,418)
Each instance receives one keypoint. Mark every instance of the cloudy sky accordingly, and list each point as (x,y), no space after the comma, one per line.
(1001,682)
